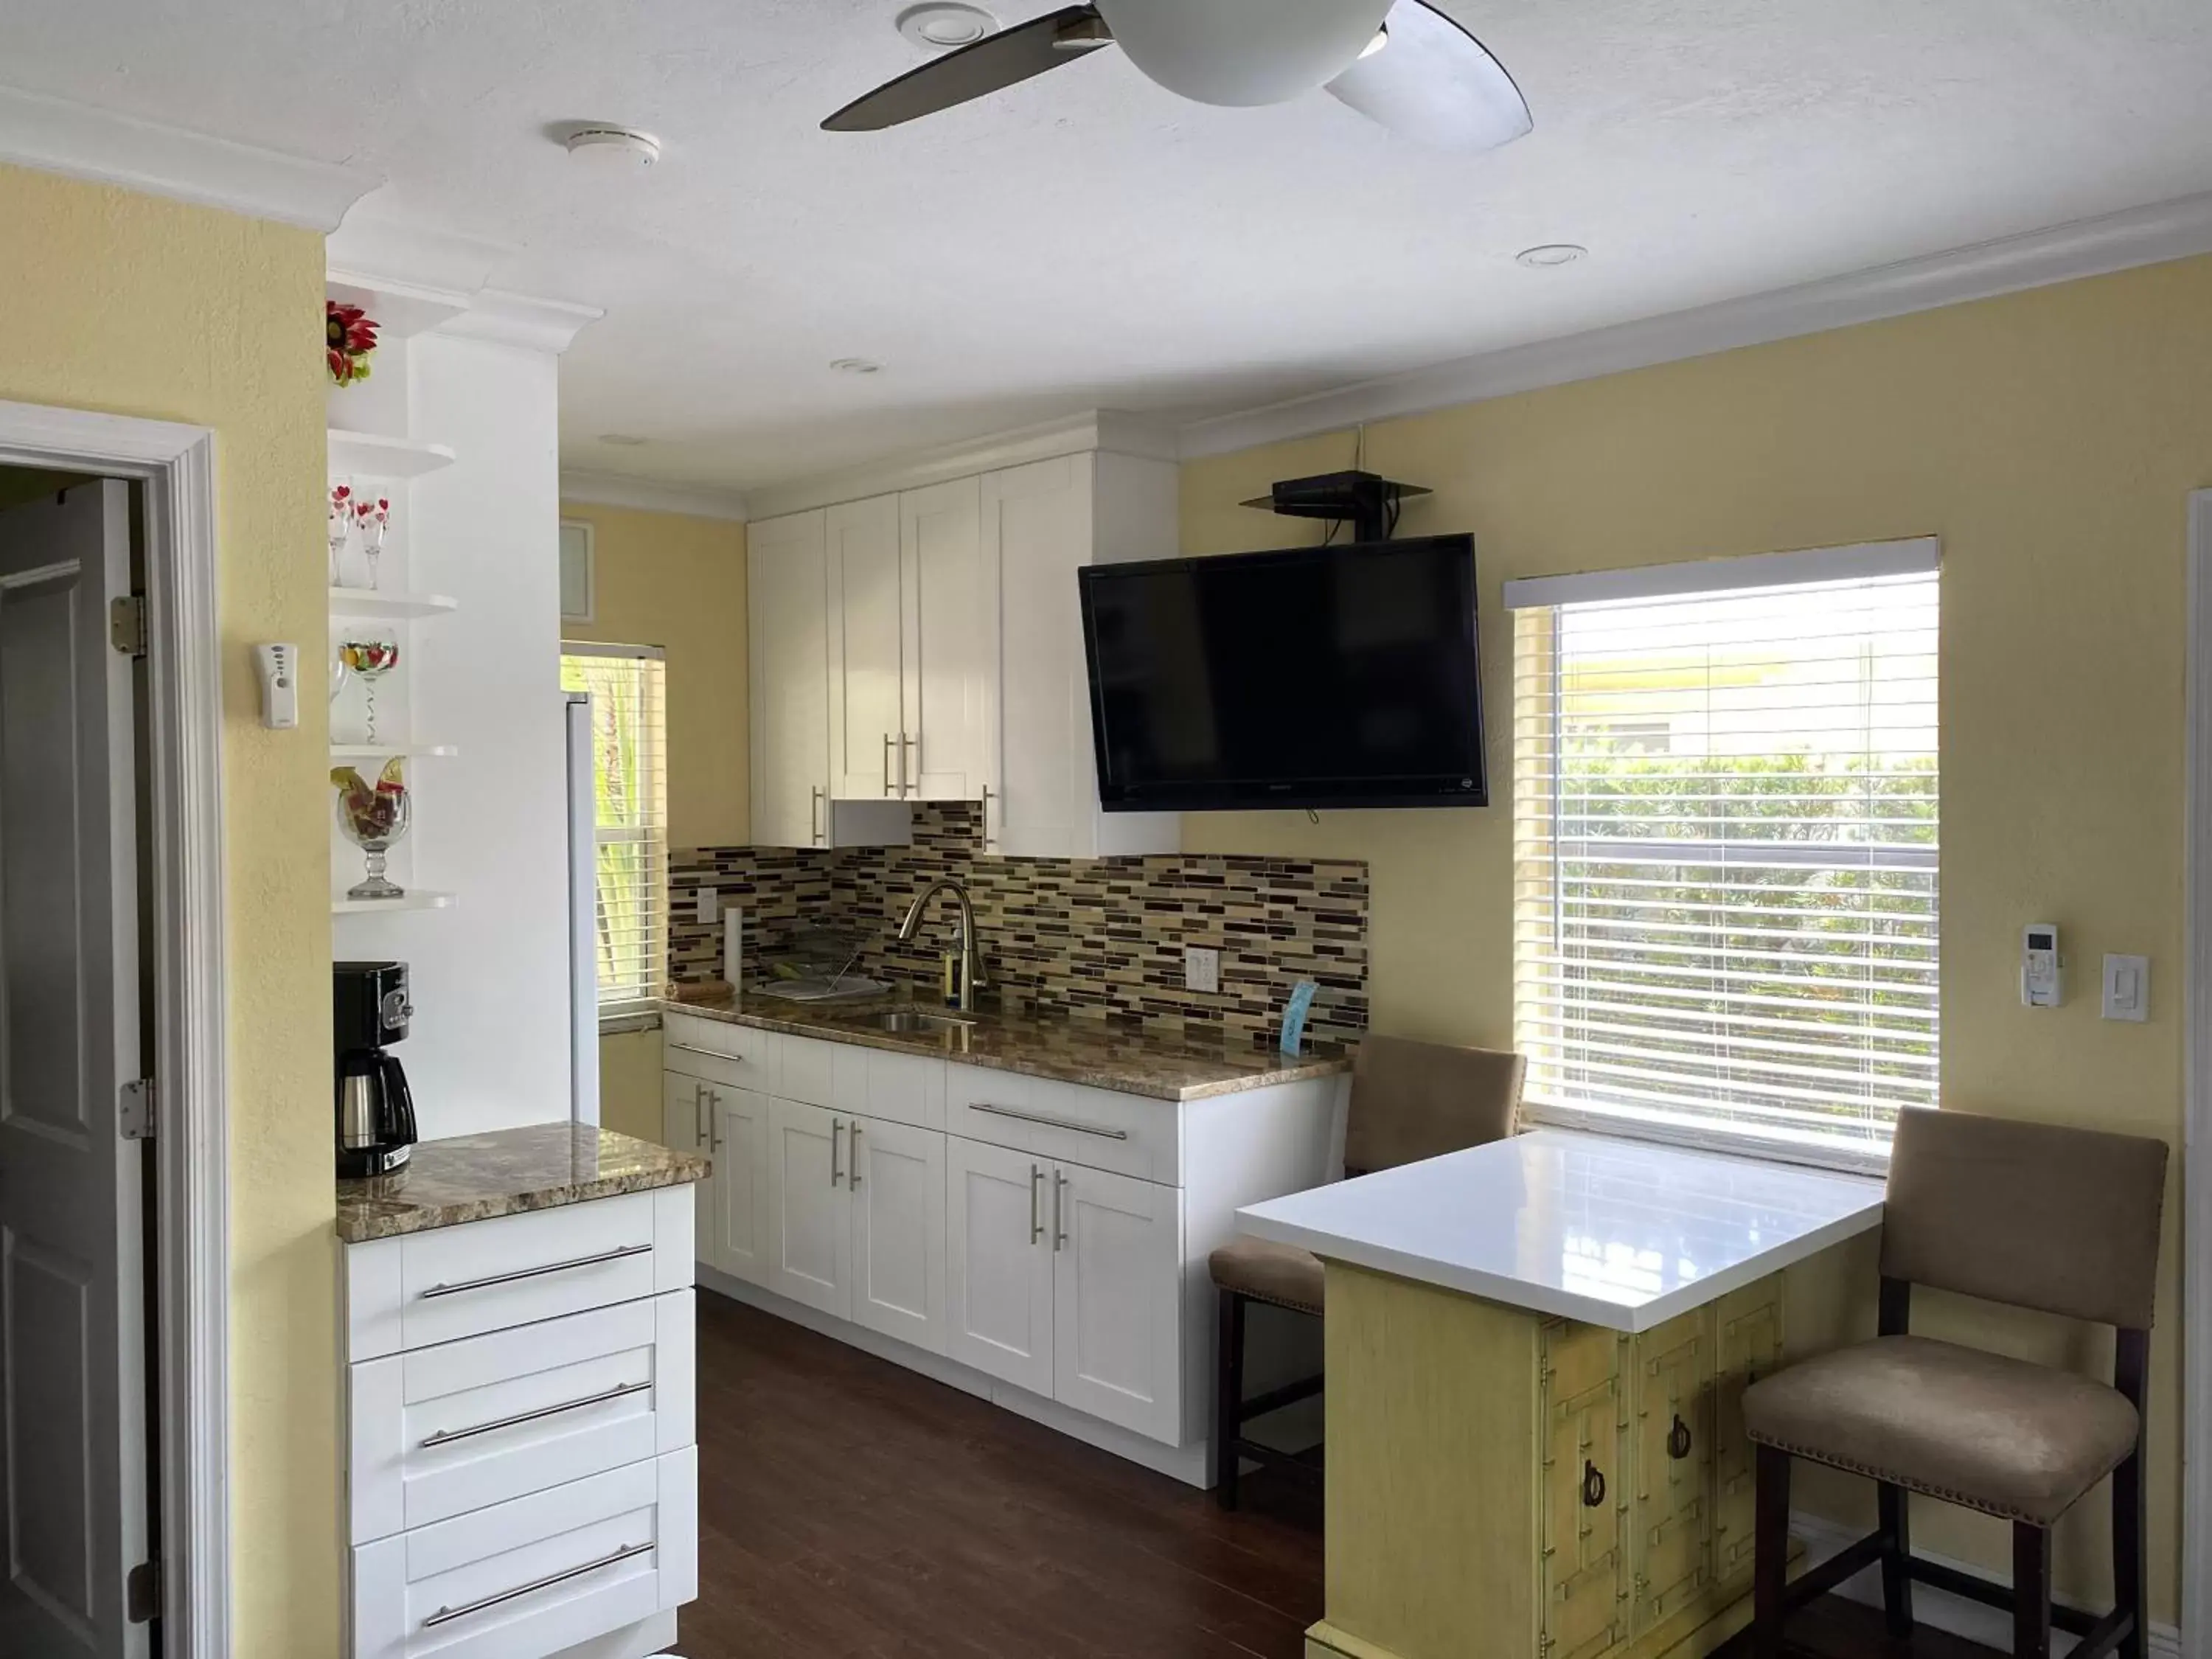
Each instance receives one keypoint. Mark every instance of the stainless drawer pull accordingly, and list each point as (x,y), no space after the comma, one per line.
(1048,1122)
(599,1260)
(711,1054)
(446,1615)
(447,1437)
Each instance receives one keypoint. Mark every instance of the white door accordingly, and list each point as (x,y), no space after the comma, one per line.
(998,1265)
(738,1121)
(684,1128)
(895,1177)
(810,1238)
(1036,535)
(787,603)
(949,610)
(72,1335)
(1117,1300)
(866,639)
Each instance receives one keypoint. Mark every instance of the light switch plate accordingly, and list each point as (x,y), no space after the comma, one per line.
(710,906)
(1201,968)
(2127,987)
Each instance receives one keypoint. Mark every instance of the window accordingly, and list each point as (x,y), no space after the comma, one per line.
(630,780)
(579,572)
(1725,920)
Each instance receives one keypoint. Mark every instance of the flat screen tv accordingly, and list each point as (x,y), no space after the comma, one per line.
(1318,677)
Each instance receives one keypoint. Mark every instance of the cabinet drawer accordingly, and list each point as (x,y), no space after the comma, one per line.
(735,1054)
(440,1286)
(879,1084)
(537,1575)
(443,1431)
(1124,1134)
(807,1071)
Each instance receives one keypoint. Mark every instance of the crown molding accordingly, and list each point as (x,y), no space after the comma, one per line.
(645,495)
(54,135)
(1096,430)
(394,255)
(522,320)
(2174,229)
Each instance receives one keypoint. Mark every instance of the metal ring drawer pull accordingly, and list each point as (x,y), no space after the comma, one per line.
(520,1274)
(1048,1122)
(711,1054)
(446,1615)
(447,1437)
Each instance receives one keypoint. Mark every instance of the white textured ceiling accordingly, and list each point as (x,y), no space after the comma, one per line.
(1087,239)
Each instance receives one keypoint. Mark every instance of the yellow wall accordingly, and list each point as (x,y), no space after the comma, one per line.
(2051,439)
(671,580)
(135,306)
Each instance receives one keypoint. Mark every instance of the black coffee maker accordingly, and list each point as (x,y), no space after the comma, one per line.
(375,1112)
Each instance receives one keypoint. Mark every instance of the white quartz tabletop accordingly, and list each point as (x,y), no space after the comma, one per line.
(1608,1231)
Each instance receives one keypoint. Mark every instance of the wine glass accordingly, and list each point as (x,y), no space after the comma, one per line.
(373,517)
(341,506)
(372,659)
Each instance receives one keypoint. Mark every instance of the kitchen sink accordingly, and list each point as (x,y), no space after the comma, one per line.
(914,1020)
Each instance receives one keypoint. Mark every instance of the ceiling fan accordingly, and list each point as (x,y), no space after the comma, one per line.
(1403,64)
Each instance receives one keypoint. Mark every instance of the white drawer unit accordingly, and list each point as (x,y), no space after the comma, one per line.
(439,1432)
(455,1282)
(722,1053)
(1126,1135)
(536,1575)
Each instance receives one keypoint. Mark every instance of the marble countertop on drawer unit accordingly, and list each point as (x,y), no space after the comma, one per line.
(1610,1231)
(476,1177)
(1068,1049)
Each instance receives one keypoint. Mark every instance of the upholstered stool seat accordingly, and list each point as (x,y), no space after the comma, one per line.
(1281,1273)
(2017,1441)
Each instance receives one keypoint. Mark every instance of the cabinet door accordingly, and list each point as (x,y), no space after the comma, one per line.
(1670,1557)
(682,1124)
(1748,1345)
(950,611)
(866,637)
(737,1202)
(787,603)
(998,1263)
(895,1177)
(810,1237)
(1584,1576)
(1117,1299)
(1036,535)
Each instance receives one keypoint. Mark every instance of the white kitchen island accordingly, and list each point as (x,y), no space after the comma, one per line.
(1537,1352)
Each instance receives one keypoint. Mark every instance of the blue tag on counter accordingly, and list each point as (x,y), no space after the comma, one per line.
(1294,1015)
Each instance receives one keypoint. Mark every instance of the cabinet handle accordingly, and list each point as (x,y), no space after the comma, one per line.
(1036,1214)
(989,840)
(887,768)
(699,1130)
(715,1120)
(1059,1229)
(520,1273)
(837,1136)
(446,1615)
(1048,1122)
(821,800)
(447,1437)
(908,787)
(1593,1485)
(853,1172)
(711,1054)
(1678,1440)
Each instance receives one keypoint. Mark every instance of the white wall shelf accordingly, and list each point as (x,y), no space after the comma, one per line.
(385,751)
(398,309)
(374,455)
(385,605)
(417,898)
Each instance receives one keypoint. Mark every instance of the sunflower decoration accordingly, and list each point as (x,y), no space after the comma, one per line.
(349,334)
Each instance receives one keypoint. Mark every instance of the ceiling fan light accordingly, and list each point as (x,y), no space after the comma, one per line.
(1241,53)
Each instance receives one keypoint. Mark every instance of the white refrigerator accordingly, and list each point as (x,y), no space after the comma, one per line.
(583,917)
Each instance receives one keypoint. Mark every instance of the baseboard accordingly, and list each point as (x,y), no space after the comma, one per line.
(1188,1464)
(1955,1614)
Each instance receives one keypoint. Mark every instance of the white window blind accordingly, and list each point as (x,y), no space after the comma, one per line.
(629,778)
(1725,839)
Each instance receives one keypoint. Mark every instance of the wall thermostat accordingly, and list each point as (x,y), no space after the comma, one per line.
(2042,984)
(280,685)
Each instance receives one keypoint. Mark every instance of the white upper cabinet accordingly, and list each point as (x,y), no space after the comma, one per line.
(1040,524)
(948,640)
(867,642)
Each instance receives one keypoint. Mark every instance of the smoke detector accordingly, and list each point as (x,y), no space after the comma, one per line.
(1550,256)
(945,25)
(613,150)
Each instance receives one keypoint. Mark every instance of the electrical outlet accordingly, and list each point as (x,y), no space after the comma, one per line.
(710,906)
(1201,968)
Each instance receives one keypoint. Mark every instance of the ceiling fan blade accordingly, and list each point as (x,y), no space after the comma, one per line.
(1435,84)
(991,65)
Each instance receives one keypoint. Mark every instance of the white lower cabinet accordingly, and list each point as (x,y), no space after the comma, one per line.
(810,1247)
(894,1182)
(999,1264)
(736,1198)
(1117,1299)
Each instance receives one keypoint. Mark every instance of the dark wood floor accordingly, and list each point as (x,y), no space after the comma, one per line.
(849,1508)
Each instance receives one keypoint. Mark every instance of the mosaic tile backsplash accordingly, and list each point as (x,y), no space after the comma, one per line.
(1102,936)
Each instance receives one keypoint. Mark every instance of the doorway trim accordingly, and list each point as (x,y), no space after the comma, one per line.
(2196,1562)
(176,466)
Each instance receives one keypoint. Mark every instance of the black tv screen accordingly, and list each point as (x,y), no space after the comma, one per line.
(1319,677)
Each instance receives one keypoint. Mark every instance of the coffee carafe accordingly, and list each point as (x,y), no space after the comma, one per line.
(375,1109)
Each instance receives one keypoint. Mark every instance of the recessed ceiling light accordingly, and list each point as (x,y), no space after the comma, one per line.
(945,25)
(1545,256)
(613,150)
(623,440)
(856,366)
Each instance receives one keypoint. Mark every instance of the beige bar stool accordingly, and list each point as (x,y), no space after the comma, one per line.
(2064,1221)
(1410,1100)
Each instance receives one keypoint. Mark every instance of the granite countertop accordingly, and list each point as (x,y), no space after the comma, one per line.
(476,1177)
(1068,1049)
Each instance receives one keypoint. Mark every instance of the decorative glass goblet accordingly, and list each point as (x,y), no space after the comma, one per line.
(372,659)
(375,820)
(341,528)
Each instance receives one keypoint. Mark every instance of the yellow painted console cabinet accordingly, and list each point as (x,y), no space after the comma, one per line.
(1502,1485)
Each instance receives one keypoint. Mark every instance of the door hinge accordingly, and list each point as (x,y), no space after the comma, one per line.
(138,1100)
(126,625)
(143,1592)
